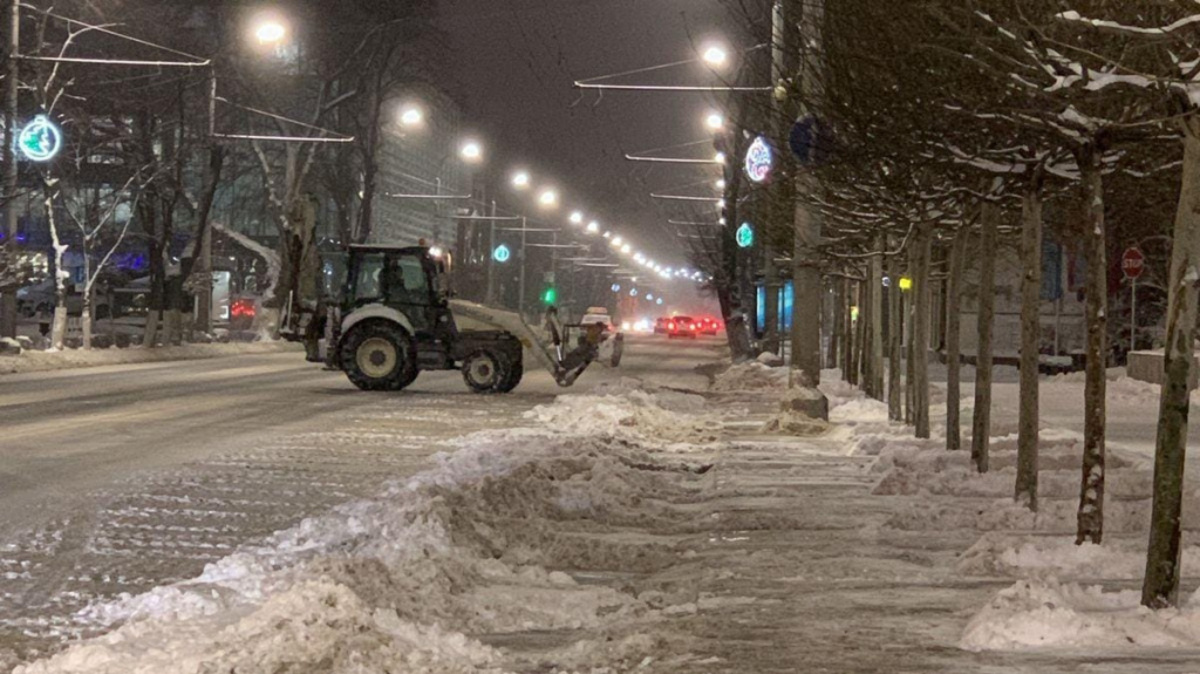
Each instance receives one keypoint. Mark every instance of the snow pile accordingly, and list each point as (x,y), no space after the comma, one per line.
(44,361)
(1040,556)
(1033,615)
(629,410)
(751,376)
(395,583)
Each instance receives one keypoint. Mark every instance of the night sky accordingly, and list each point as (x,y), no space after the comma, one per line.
(515,61)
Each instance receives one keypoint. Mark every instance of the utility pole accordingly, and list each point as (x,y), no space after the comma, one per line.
(8,303)
(490,297)
(521,283)
(801,43)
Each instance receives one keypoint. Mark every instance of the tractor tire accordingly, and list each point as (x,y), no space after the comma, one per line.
(486,371)
(379,356)
(515,372)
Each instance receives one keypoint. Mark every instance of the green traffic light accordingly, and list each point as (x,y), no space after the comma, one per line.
(550,296)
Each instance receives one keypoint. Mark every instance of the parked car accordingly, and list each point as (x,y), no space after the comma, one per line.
(708,326)
(682,326)
(40,298)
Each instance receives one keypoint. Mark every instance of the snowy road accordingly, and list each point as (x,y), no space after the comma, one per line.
(121,479)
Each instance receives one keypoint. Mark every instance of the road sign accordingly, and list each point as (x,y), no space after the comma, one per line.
(1133,263)
(502,254)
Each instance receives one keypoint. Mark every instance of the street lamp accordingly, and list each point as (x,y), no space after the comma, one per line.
(715,55)
(411,115)
(270,32)
(521,180)
(721,184)
(593,227)
(577,218)
(626,249)
(719,157)
(616,242)
(472,151)
(548,199)
(715,121)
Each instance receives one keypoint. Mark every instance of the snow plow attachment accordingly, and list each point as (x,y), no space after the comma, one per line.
(565,366)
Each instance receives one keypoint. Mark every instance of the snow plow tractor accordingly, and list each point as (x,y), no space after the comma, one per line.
(384,314)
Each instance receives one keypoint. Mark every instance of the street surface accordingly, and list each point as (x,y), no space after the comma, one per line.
(119,479)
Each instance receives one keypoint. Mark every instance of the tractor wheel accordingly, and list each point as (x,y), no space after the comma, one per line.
(515,372)
(378,356)
(486,371)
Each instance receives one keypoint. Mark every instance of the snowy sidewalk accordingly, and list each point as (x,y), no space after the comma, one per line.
(640,529)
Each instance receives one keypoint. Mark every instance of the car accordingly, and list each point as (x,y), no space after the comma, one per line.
(39,299)
(708,326)
(682,326)
(660,326)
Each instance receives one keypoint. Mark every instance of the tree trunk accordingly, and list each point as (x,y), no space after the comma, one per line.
(1161,586)
(1091,490)
(958,256)
(1026,489)
(847,335)
(895,339)
(875,283)
(910,318)
(922,297)
(981,428)
(835,338)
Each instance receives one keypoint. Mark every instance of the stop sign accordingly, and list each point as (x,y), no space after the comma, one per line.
(1133,263)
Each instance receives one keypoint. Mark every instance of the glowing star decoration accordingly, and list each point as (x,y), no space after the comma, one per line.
(745,235)
(502,254)
(759,160)
(40,140)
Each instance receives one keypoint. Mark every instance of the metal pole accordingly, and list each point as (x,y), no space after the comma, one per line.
(521,283)
(8,305)
(1132,314)
(491,268)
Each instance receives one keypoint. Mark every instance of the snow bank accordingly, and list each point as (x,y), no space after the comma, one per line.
(629,410)
(478,544)
(751,376)
(1024,556)
(44,361)
(1034,615)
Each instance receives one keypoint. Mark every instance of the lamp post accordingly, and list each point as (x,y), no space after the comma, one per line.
(8,306)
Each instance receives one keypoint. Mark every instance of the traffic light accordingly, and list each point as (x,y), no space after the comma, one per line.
(550,296)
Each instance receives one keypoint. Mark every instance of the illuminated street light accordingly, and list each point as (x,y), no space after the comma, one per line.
(616,242)
(626,249)
(719,157)
(548,198)
(270,32)
(715,55)
(520,180)
(593,227)
(608,235)
(721,184)
(576,218)
(472,151)
(714,121)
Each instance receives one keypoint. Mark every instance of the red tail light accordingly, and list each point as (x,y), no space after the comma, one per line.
(242,308)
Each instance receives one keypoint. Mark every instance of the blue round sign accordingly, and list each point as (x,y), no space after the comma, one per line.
(40,140)
(616,287)
(502,254)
